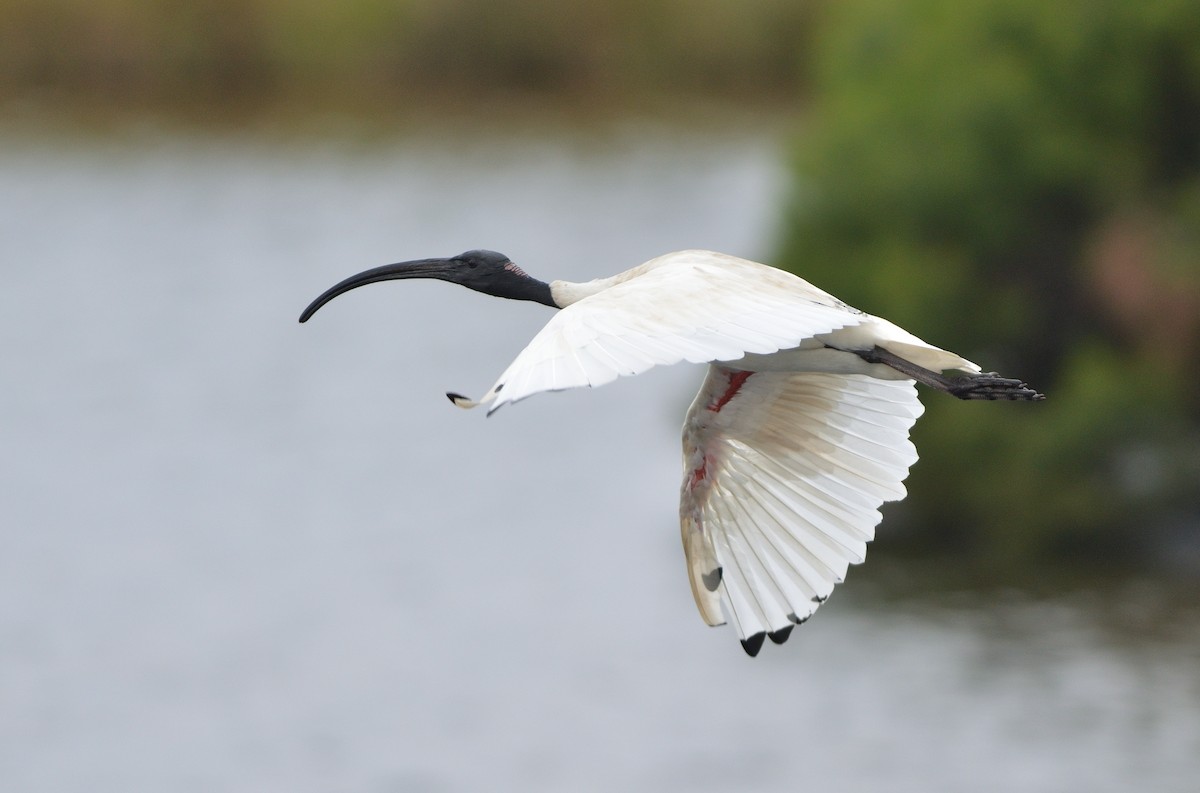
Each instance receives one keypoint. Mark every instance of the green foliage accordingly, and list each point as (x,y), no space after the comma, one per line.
(1020,181)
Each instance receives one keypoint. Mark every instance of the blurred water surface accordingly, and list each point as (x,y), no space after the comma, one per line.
(242,554)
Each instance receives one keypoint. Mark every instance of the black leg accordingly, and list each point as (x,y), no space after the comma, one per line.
(988,385)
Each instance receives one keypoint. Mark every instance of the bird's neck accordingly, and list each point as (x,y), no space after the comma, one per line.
(567,292)
(522,288)
(540,292)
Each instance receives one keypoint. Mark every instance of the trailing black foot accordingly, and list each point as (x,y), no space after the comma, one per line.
(988,385)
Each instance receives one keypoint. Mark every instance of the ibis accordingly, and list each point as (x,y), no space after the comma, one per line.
(799,432)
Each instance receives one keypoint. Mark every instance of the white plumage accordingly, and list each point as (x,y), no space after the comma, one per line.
(797,437)
(783,484)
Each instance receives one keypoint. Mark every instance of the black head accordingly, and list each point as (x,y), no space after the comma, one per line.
(484,271)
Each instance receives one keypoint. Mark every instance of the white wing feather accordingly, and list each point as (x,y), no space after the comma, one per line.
(785,471)
(785,474)
(692,306)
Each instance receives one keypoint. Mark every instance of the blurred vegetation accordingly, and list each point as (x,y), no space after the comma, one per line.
(1020,182)
(381,53)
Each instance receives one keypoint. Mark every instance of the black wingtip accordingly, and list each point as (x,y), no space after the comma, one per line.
(780,636)
(792,618)
(754,643)
(455,398)
(712,579)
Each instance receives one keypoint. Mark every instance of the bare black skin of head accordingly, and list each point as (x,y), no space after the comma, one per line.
(484,271)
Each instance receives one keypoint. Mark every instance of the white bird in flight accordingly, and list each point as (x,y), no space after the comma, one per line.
(798,435)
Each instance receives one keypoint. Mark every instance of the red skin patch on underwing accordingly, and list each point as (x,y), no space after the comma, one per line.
(736,381)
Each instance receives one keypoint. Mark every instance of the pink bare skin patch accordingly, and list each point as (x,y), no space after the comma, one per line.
(736,381)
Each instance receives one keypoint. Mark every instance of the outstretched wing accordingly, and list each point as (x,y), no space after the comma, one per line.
(784,476)
(699,307)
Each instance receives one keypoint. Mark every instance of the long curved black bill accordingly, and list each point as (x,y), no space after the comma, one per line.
(418,268)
